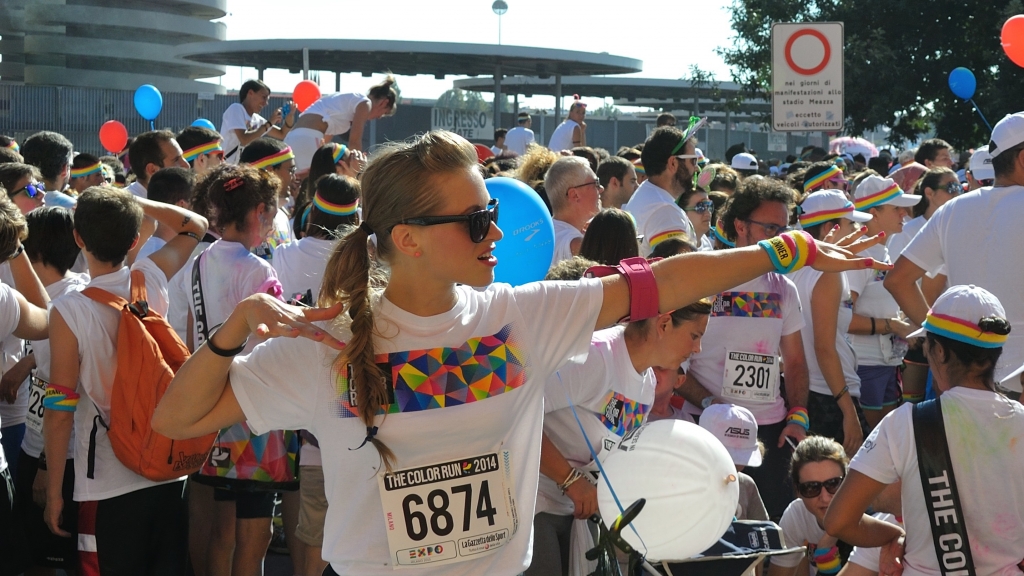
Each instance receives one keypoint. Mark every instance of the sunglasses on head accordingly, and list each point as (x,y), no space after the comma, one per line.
(813,489)
(701,207)
(31,190)
(479,221)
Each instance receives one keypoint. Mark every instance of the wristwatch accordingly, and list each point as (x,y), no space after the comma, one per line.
(707,402)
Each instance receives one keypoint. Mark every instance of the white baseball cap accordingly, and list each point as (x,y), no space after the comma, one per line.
(981,164)
(1008,133)
(744,161)
(957,315)
(825,205)
(736,428)
(876,191)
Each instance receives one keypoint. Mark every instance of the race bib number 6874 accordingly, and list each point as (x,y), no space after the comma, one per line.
(449,512)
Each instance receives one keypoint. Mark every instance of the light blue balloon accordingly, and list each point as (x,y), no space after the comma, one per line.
(148,101)
(962,83)
(204,123)
(524,253)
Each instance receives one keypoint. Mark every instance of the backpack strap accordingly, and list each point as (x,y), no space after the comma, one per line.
(104,297)
(138,292)
(949,528)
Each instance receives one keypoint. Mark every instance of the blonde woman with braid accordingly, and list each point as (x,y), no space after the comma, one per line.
(427,396)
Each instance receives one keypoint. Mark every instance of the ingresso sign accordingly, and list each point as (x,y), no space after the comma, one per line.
(807,76)
(471,125)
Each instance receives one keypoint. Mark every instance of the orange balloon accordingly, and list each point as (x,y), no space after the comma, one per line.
(482,152)
(305,93)
(113,136)
(1012,38)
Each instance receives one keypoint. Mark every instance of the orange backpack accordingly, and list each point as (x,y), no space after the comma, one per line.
(149,352)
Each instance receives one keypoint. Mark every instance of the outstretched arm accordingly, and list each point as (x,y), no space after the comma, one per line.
(188,226)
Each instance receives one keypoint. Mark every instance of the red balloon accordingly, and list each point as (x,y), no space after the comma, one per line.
(1013,39)
(305,93)
(482,152)
(113,136)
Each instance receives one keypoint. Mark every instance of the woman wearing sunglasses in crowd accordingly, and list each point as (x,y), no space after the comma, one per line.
(427,396)
(698,208)
(21,181)
(964,333)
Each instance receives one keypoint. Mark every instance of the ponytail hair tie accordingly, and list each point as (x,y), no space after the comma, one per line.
(366,228)
(371,431)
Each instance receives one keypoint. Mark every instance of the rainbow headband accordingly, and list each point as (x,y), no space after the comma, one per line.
(195,152)
(334,209)
(639,168)
(86,170)
(962,331)
(340,153)
(879,197)
(274,159)
(829,174)
(720,235)
(13,146)
(815,218)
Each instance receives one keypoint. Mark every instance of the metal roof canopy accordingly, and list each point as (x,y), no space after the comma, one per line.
(406,58)
(661,93)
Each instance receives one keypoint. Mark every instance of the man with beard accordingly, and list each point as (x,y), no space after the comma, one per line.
(670,161)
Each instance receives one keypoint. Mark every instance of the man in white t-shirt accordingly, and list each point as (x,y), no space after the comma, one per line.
(575,195)
(499,141)
(618,176)
(572,132)
(241,123)
(750,327)
(152,151)
(976,237)
(127,523)
(520,138)
(669,160)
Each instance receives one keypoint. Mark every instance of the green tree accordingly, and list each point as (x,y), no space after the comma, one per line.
(458,99)
(897,60)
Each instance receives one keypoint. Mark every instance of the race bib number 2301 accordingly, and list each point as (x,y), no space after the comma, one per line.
(449,512)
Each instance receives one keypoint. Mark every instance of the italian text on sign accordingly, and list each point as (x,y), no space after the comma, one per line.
(807,77)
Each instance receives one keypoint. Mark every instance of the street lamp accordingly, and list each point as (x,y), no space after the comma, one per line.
(499,7)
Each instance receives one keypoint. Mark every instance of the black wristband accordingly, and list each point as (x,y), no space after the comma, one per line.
(190,235)
(224,353)
(872,326)
(42,461)
(17,252)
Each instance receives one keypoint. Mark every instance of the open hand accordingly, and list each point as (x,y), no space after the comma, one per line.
(268,317)
(835,258)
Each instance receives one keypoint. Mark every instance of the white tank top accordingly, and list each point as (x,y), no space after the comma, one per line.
(337,110)
(561,139)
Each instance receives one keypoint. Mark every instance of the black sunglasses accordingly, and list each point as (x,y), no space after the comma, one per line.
(479,221)
(31,190)
(813,489)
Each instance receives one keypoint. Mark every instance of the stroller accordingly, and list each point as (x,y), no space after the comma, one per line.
(743,546)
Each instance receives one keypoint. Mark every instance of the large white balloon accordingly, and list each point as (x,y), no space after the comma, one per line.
(688,479)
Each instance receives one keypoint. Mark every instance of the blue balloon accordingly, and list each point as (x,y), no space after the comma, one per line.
(524,253)
(962,83)
(204,123)
(148,101)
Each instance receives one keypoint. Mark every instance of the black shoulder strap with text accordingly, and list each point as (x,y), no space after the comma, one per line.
(199,305)
(945,514)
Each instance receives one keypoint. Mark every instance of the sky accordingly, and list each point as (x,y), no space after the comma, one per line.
(668,37)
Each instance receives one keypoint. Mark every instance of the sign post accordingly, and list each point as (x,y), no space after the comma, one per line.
(807,77)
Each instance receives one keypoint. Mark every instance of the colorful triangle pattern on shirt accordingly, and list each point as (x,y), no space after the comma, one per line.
(748,305)
(482,368)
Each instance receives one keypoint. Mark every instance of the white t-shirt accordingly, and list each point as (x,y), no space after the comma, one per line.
(152,245)
(229,273)
(611,399)
(300,265)
(565,233)
(806,279)
(137,189)
(237,118)
(11,349)
(874,301)
(10,316)
(561,138)
(519,139)
(900,240)
(503,341)
(32,444)
(179,293)
(657,216)
(751,318)
(96,325)
(982,429)
(337,110)
(799,526)
(977,237)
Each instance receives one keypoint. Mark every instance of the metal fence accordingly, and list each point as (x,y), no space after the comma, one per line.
(78,113)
